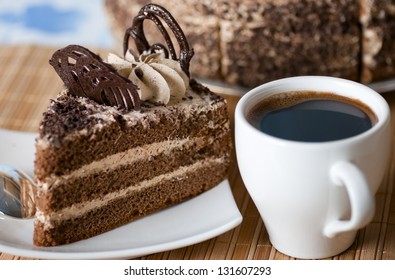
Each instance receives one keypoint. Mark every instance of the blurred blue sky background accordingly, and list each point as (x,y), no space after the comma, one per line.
(55,23)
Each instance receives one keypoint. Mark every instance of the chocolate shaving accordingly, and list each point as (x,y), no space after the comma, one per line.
(155,12)
(85,74)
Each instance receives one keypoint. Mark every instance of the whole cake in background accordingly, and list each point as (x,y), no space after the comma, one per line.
(126,137)
(249,42)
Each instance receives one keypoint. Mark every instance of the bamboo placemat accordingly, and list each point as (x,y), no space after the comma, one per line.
(27,82)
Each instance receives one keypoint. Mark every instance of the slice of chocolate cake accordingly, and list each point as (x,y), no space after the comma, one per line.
(126,137)
(378,39)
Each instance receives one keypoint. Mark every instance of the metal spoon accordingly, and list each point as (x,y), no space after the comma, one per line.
(16,193)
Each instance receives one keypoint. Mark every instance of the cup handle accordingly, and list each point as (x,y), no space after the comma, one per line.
(360,194)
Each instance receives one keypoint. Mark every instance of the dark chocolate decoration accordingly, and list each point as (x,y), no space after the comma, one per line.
(155,12)
(85,74)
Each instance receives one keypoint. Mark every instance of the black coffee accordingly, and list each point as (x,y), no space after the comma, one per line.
(309,116)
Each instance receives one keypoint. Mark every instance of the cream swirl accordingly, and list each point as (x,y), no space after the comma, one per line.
(159,79)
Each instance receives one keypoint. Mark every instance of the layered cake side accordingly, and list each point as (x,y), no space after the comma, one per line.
(110,168)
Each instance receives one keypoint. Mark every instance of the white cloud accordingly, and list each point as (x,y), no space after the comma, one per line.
(92,30)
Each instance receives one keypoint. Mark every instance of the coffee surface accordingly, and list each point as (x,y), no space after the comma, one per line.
(309,116)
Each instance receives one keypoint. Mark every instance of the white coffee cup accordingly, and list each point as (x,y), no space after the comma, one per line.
(313,197)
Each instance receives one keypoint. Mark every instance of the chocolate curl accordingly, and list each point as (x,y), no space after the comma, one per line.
(85,74)
(155,12)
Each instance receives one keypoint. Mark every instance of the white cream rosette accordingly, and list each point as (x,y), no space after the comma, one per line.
(159,79)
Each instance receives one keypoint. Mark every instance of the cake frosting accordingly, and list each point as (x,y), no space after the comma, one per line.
(157,77)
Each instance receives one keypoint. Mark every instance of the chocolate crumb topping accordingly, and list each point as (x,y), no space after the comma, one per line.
(71,114)
(136,31)
(85,74)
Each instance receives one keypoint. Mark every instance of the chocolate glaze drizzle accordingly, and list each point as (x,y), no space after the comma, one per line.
(85,74)
(136,31)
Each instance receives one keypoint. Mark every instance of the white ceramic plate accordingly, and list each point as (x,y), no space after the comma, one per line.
(198,219)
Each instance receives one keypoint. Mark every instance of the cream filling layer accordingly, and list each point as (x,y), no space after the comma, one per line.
(112,162)
(80,208)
